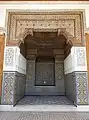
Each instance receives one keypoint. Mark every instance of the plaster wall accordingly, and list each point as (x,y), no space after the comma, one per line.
(13,60)
(76,60)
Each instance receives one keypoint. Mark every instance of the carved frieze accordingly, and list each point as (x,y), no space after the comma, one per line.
(23,23)
(9,57)
(81,56)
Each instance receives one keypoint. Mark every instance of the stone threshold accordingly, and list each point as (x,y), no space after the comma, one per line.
(44,108)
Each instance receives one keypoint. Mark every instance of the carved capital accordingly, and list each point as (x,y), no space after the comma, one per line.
(59,58)
(32,54)
(58,51)
(58,54)
(31,57)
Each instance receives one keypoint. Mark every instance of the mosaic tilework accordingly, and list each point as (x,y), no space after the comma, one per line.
(42,100)
(13,87)
(81,88)
(8,88)
(44,115)
(59,70)
(19,86)
(77,87)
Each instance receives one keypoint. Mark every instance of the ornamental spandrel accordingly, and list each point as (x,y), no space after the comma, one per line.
(23,23)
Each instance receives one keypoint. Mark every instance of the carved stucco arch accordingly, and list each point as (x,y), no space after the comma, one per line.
(29,31)
(67,35)
(67,23)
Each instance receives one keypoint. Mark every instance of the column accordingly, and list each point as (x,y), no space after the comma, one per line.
(30,73)
(59,71)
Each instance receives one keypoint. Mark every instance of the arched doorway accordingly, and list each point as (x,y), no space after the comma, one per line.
(39,32)
(45,53)
(48,69)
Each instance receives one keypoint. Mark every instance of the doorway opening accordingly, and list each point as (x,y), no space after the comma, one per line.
(45,53)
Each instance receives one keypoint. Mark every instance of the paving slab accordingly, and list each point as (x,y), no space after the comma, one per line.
(44,115)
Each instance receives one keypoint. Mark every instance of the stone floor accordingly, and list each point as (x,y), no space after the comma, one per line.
(44,115)
(42,100)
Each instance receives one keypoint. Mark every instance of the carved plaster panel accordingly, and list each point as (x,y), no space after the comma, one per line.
(22,22)
(81,56)
(13,60)
(9,57)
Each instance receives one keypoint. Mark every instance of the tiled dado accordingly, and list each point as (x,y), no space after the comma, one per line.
(76,85)
(13,87)
(81,79)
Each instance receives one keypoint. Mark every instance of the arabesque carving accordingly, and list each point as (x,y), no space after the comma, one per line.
(24,23)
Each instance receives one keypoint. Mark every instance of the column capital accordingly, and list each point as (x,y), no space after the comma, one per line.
(58,54)
(31,54)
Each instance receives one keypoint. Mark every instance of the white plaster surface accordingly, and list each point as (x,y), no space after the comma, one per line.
(52,5)
(18,62)
(71,63)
